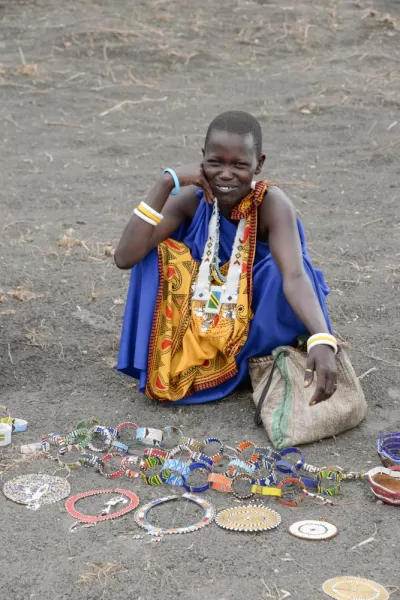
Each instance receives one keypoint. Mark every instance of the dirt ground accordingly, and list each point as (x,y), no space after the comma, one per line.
(96,97)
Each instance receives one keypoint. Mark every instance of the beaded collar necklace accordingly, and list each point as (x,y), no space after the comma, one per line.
(214,296)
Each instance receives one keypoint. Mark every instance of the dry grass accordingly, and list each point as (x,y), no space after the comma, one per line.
(100,573)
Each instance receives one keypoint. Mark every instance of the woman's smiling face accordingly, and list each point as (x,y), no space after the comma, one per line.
(230,163)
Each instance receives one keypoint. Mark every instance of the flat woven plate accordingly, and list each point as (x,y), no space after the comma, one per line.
(248,518)
(354,588)
(313,530)
(22,489)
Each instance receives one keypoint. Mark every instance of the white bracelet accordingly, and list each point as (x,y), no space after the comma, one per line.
(151,210)
(322,343)
(144,218)
(322,338)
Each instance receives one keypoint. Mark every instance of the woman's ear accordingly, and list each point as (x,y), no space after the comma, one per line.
(260,164)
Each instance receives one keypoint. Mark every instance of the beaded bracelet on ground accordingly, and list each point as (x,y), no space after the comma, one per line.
(102,462)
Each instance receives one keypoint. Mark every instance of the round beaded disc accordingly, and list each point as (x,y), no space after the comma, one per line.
(313,530)
(354,588)
(21,489)
(248,518)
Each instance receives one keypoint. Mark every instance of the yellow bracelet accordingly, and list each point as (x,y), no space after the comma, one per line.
(266,491)
(148,214)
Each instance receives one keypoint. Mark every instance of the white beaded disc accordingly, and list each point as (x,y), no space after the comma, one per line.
(313,530)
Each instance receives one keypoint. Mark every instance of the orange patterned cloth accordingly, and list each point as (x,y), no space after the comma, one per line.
(184,359)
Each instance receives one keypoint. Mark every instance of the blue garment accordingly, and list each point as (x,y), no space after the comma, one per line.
(274,322)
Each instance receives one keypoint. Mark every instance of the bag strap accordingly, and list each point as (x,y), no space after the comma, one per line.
(264,393)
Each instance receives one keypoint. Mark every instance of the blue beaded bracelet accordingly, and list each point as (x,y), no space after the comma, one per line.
(192,467)
(299,464)
(174,176)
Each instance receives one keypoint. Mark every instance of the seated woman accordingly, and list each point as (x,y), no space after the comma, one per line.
(221,274)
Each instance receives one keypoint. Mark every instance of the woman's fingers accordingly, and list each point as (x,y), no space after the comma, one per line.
(309,374)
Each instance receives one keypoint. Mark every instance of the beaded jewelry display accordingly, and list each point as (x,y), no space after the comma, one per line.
(313,530)
(142,520)
(250,518)
(349,588)
(70,505)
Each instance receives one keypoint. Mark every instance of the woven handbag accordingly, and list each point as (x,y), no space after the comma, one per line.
(282,401)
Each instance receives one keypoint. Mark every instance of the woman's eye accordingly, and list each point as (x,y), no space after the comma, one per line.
(213,163)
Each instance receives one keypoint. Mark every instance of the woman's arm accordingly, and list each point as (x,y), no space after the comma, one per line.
(139,237)
(278,216)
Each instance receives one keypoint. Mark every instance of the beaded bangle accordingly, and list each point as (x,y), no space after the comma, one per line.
(174,471)
(158,452)
(268,478)
(202,458)
(237,464)
(299,464)
(242,477)
(106,434)
(220,482)
(263,490)
(285,467)
(194,466)
(89,460)
(244,445)
(120,446)
(150,463)
(289,481)
(311,482)
(125,466)
(79,436)
(268,453)
(70,465)
(211,440)
(104,460)
(149,436)
(169,432)
(87,423)
(181,452)
(192,444)
(70,505)
(326,475)
(123,426)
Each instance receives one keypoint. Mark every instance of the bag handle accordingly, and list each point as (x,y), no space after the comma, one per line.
(264,393)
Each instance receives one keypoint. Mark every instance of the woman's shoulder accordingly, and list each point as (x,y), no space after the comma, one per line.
(276,205)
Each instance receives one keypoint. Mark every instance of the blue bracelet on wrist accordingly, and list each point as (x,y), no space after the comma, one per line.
(177,185)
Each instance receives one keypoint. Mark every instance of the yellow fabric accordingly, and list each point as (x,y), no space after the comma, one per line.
(183,359)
